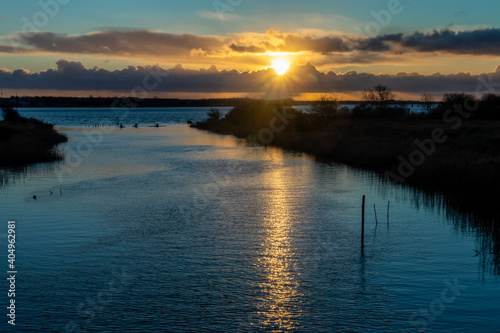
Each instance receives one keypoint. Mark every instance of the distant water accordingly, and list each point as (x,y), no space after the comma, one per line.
(141,116)
(173,229)
(112,116)
(413,108)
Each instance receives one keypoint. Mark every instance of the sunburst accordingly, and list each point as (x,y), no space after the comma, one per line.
(280,66)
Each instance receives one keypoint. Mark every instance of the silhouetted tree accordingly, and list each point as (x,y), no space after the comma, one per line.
(377,102)
(379,96)
(460,99)
(326,106)
(427,100)
(451,101)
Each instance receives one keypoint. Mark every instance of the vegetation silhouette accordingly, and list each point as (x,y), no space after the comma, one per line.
(427,101)
(214,114)
(328,107)
(27,140)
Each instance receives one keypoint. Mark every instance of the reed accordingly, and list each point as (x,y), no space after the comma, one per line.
(26,141)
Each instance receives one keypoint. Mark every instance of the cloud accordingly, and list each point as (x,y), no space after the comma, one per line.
(478,42)
(70,75)
(247,49)
(360,50)
(475,42)
(119,42)
(8,49)
(276,41)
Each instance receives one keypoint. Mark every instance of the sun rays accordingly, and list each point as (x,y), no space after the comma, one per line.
(280,66)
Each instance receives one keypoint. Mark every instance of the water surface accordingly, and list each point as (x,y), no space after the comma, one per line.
(174,229)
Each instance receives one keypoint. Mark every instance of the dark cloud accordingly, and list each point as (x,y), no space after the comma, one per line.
(324,45)
(7,49)
(247,49)
(148,43)
(117,42)
(71,75)
(480,42)
(476,42)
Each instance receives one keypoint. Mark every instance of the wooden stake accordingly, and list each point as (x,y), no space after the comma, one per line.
(363,223)
(388,205)
(375,210)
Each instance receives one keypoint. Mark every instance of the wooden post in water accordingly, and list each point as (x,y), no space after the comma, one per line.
(388,205)
(363,224)
(375,210)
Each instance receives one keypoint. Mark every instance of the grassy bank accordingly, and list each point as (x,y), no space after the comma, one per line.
(26,141)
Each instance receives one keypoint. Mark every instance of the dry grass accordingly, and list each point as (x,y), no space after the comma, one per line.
(27,141)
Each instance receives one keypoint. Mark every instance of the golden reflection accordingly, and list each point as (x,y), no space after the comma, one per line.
(281,302)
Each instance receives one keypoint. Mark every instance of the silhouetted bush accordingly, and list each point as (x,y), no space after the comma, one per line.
(10,114)
(326,106)
(214,114)
(398,110)
(254,114)
(461,99)
(302,122)
(363,110)
(24,141)
(489,107)
(436,113)
(368,110)
(453,101)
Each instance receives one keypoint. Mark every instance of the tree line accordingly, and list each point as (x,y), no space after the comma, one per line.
(381,102)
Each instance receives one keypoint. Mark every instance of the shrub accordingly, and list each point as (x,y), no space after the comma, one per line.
(363,110)
(451,101)
(214,114)
(254,114)
(326,106)
(489,107)
(399,110)
(10,114)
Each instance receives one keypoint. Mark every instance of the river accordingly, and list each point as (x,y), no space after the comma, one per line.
(173,229)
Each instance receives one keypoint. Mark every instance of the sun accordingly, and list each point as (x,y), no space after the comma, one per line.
(280,66)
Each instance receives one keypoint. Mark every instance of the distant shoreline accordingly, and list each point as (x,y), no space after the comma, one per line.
(129,102)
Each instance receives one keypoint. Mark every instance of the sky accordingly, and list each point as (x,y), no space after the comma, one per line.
(230,48)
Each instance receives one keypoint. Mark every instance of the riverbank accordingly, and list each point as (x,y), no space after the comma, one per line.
(432,154)
(26,141)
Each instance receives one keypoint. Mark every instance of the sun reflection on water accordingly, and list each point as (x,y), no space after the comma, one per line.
(281,304)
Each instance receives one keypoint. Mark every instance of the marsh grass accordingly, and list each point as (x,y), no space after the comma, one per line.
(26,141)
